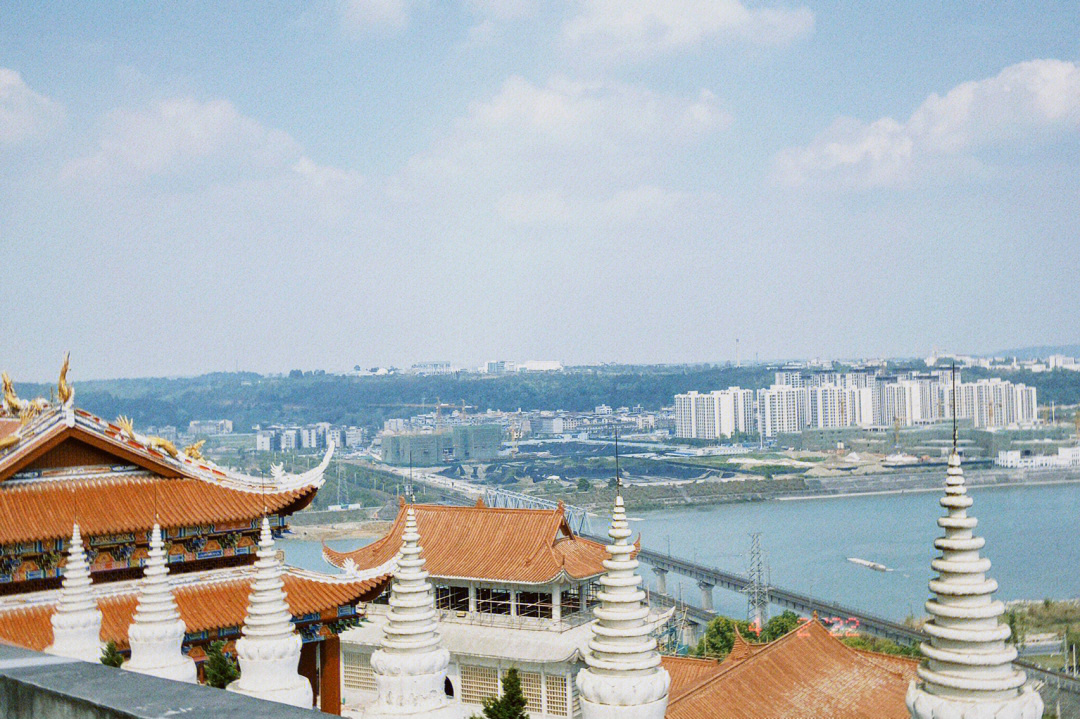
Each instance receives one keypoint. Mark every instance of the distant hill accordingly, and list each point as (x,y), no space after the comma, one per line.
(1040,352)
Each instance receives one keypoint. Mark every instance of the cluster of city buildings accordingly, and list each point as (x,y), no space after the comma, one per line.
(827,399)
(278,438)
(1008,364)
(1066,458)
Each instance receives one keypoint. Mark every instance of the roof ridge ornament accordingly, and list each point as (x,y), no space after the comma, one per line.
(157,631)
(410,667)
(968,671)
(623,676)
(64,391)
(77,622)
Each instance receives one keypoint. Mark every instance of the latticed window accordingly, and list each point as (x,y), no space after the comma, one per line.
(556,694)
(478,683)
(532,688)
(356,671)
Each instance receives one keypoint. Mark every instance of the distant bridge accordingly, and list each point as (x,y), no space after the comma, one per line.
(576,517)
(710,577)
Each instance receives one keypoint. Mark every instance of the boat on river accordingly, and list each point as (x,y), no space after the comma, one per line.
(876,566)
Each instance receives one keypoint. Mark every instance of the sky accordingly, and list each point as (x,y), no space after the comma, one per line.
(194,187)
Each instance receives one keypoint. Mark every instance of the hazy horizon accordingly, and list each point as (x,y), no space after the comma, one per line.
(196,188)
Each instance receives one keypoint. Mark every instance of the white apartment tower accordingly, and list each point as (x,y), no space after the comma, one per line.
(714,415)
(782,409)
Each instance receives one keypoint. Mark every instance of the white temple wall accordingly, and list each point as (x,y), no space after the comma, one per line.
(548,687)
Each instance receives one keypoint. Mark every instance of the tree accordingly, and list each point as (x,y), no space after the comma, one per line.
(1018,624)
(220,669)
(511,705)
(779,625)
(583,484)
(110,657)
(719,637)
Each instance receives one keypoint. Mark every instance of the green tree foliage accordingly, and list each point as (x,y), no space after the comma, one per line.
(110,657)
(583,484)
(511,705)
(1018,626)
(882,646)
(779,625)
(220,669)
(719,637)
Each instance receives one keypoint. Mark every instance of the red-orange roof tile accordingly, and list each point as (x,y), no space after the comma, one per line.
(531,546)
(203,606)
(115,504)
(807,672)
(687,672)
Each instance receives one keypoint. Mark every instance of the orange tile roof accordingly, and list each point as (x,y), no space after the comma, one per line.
(687,672)
(211,604)
(114,504)
(807,672)
(528,546)
(7,426)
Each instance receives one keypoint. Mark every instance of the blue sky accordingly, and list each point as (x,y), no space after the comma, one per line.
(198,186)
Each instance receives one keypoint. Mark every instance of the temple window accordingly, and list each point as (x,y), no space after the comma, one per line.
(455,599)
(556,694)
(356,671)
(493,601)
(534,604)
(478,683)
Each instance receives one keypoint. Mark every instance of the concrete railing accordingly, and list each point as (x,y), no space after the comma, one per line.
(35,685)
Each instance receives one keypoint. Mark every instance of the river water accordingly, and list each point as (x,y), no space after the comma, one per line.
(1032,535)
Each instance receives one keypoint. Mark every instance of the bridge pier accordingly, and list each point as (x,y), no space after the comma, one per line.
(706,595)
(661,579)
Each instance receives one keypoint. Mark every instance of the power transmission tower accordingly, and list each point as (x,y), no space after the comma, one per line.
(757,591)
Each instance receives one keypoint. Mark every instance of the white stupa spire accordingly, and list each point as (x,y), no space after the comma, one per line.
(968,671)
(77,621)
(269,650)
(157,632)
(410,668)
(623,678)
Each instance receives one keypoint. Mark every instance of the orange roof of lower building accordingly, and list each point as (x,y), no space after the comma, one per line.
(219,600)
(687,672)
(806,673)
(116,504)
(529,546)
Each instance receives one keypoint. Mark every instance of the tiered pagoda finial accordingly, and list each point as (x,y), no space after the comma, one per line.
(77,621)
(269,650)
(410,668)
(968,671)
(623,678)
(157,632)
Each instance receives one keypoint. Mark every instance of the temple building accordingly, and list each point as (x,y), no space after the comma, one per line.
(104,501)
(512,587)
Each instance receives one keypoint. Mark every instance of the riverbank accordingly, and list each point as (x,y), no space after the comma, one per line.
(653,496)
(339,530)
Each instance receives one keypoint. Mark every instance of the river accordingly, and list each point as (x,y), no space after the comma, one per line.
(1032,535)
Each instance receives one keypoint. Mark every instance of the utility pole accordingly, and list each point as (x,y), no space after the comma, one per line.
(757,591)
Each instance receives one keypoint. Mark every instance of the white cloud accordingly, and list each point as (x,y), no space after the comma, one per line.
(178,136)
(565,135)
(639,29)
(371,15)
(1026,102)
(24,114)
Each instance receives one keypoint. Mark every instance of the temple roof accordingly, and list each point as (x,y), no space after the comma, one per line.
(67,459)
(527,546)
(206,600)
(118,504)
(57,425)
(806,672)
